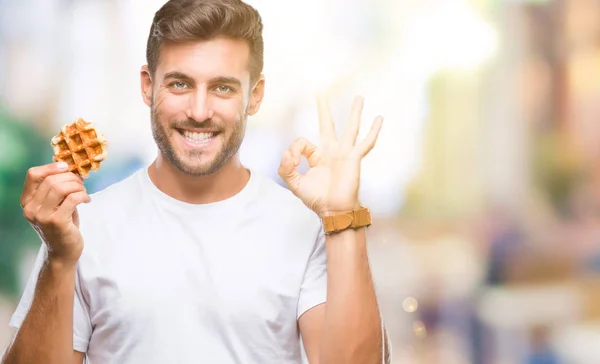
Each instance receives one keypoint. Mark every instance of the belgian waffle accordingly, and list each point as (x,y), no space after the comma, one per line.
(80,146)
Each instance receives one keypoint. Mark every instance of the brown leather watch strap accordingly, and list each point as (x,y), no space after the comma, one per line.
(351,219)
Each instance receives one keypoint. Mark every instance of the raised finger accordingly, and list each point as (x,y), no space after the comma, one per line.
(369,142)
(326,125)
(353,127)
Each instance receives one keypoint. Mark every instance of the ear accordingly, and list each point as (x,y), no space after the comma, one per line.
(256,96)
(146,84)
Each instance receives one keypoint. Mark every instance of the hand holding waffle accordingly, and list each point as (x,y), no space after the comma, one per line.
(52,192)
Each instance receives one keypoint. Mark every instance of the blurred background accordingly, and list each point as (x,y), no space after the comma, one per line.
(484,184)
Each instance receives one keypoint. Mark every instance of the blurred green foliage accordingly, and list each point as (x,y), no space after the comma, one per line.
(21,147)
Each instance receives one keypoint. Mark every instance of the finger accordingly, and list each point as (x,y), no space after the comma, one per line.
(326,125)
(32,207)
(288,173)
(51,182)
(56,196)
(36,175)
(353,126)
(369,142)
(67,208)
(303,148)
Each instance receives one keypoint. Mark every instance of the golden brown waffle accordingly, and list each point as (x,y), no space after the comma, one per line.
(80,146)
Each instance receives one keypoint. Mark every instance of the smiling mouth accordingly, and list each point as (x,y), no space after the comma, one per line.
(197,138)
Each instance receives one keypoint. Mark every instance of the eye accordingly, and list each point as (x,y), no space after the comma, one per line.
(223,89)
(178,85)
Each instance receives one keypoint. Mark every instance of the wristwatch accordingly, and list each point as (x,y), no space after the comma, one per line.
(352,219)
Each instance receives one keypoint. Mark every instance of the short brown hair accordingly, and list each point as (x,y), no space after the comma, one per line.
(181,21)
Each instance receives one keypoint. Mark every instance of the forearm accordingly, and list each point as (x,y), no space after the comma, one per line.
(352,329)
(46,334)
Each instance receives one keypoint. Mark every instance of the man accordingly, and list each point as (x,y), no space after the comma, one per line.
(197,259)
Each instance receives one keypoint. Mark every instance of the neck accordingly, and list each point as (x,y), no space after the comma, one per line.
(223,184)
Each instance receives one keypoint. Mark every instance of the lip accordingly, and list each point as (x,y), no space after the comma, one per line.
(197,130)
(191,145)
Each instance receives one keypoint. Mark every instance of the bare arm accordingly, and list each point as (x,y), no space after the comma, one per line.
(49,200)
(46,335)
(351,330)
(78,357)
(347,329)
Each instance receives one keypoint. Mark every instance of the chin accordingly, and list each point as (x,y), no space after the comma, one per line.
(199,169)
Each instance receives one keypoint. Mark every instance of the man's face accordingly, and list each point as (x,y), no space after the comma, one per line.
(200,97)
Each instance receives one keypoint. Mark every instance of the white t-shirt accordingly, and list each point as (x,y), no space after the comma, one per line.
(162,281)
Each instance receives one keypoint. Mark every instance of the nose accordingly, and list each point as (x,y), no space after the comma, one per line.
(200,106)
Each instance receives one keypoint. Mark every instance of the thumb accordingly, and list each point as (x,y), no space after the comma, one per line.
(288,173)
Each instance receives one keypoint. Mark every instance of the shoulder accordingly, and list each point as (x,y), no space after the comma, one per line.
(118,190)
(113,201)
(280,204)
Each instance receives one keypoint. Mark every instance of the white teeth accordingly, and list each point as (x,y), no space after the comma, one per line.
(197,138)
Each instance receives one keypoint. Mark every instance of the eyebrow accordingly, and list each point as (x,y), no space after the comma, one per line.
(226,80)
(215,80)
(180,76)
